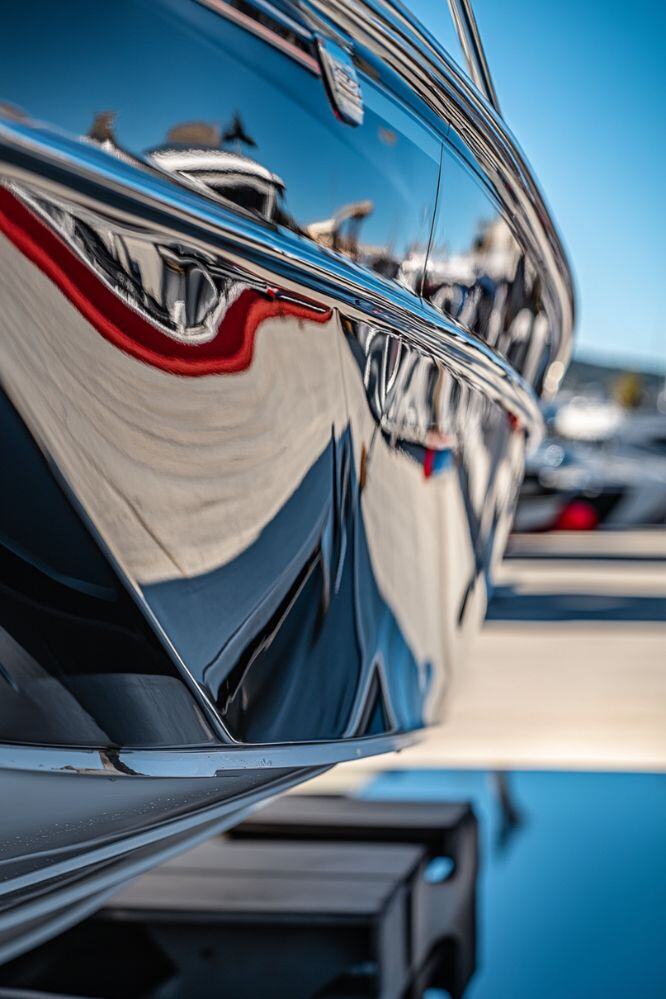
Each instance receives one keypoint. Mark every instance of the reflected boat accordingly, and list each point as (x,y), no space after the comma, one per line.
(274,333)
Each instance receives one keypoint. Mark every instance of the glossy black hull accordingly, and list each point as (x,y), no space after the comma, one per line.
(76,837)
(274,329)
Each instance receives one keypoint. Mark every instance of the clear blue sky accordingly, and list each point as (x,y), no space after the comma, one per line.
(583,87)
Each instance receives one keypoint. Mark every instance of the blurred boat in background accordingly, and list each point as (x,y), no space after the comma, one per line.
(601,465)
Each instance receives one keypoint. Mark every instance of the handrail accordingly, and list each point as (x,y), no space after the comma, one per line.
(472,46)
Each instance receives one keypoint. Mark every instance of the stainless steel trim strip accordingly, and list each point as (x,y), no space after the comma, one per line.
(195,762)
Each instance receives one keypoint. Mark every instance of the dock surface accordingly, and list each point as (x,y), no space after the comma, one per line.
(569,670)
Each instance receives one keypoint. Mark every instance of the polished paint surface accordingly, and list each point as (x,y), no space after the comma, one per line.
(279,297)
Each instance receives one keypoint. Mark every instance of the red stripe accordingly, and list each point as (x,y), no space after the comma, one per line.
(428,463)
(229,351)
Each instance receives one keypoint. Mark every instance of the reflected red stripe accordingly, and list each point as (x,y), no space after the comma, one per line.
(230,350)
(428,463)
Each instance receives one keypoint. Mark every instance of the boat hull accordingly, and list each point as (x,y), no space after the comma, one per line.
(278,298)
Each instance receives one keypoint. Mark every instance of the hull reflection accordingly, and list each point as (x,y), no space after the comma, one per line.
(265,406)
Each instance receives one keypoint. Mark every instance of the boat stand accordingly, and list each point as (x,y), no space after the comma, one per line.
(313,897)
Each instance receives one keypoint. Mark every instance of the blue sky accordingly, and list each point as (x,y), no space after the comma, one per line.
(583,87)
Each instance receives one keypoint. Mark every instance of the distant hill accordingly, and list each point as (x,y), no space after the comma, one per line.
(590,378)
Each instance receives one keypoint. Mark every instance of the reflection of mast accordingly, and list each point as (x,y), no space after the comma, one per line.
(236,133)
(511,818)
